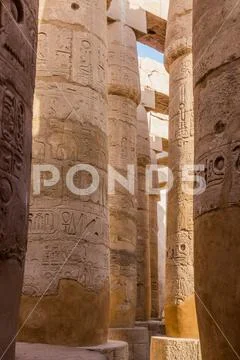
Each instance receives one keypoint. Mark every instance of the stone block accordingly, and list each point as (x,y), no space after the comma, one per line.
(166,348)
(137,339)
(113,350)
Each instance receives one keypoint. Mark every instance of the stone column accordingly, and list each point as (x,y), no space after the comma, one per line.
(216,53)
(180,312)
(143,238)
(18,40)
(66,288)
(147,241)
(153,236)
(180,305)
(124,97)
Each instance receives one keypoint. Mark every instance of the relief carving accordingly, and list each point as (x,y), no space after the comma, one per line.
(12,133)
(78,258)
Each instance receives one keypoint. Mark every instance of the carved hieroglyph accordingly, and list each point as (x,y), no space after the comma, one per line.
(124,94)
(180,305)
(18,40)
(217,150)
(68,253)
(153,239)
(143,241)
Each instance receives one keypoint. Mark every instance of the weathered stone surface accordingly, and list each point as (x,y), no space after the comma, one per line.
(108,3)
(180,309)
(217,214)
(26,351)
(123,207)
(180,313)
(123,62)
(155,328)
(156,32)
(130,14)
(158,8)
(124,96)
(68,253)
(162,226)
(179,349)
(137,339)
(143,241)
(154,84)
(113,350)
(179,31)
(153,241)
(18,41)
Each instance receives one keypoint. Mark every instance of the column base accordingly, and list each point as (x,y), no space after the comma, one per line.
(166,348)
(155,327)
(137,339)
(113,350)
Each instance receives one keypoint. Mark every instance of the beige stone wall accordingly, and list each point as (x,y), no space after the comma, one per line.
(68,253)
(18,40)
(143,238)
(124,96)
(180,304)
(217,149)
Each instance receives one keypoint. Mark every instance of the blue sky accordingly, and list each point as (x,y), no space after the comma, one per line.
(146,51)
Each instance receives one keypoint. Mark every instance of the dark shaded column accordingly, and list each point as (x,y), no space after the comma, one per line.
(18,40)
(216,51)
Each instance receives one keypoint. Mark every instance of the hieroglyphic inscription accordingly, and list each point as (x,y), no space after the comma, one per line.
(71,250)
(11,133)
(12,125)
(215,165)
(18,35)
(180,267)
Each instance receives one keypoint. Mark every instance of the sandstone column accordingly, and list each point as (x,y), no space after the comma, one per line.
(153,237)
(216,53)
(18,40)
(180,313)
(124,97)
(67,267)
(143,238)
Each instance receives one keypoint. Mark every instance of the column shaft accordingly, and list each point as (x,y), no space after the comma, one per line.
(18,41)
(143,239)
(67,267)
(216,53)
(180,305)
(124,93)
(154,247)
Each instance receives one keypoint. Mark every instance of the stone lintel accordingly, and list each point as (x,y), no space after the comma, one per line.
(113,350)
(155,101)
(156,32)
(166,348)
(137,339)
(148,22)
(133,16)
